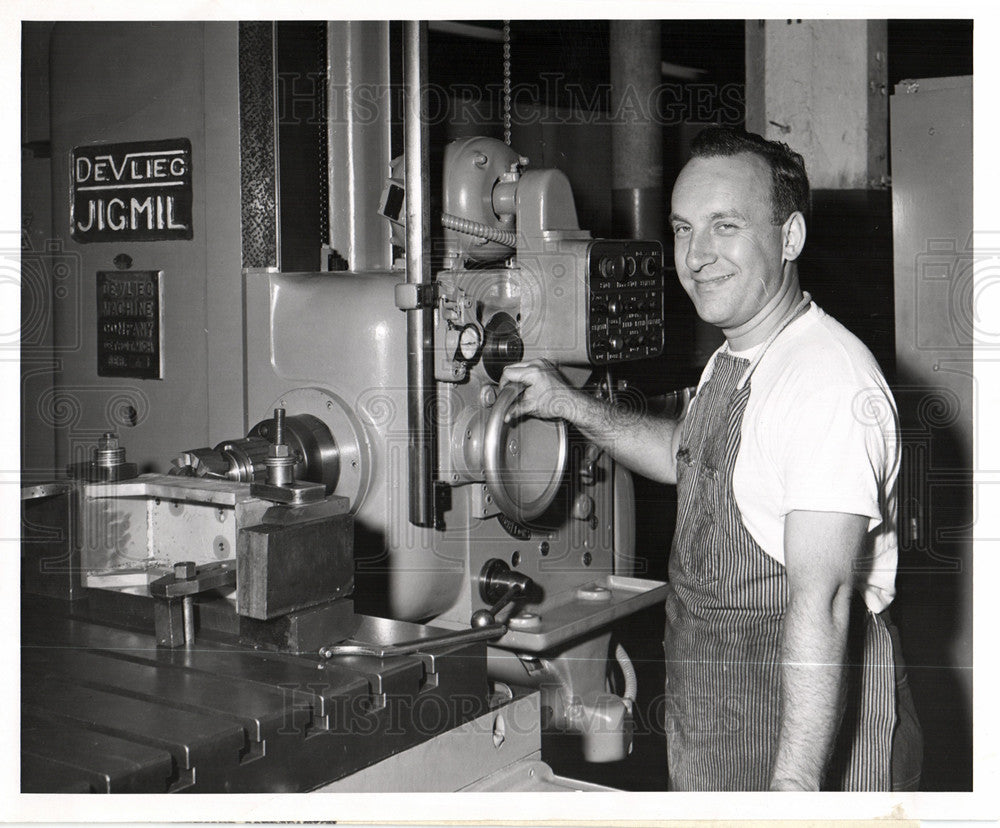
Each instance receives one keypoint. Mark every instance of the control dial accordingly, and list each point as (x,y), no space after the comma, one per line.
(502,345)
(470,342)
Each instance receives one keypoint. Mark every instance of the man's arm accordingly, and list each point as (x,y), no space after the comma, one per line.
(820,551)
(644,443)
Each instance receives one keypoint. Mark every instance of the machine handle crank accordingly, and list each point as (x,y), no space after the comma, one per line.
(421,645)
(497,584)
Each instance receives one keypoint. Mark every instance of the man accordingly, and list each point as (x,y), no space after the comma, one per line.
(780,669)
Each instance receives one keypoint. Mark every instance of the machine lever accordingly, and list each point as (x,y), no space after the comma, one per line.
(499,586)
(421,645)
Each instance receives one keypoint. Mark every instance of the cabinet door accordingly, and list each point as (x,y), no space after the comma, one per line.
(931,138)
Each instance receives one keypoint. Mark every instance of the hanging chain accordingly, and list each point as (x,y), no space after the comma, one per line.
(506,82)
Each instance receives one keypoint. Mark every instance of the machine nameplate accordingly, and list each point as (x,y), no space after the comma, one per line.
(139,191)
(129,329)
(513,528)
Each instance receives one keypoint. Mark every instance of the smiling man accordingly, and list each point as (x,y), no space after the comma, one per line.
(780,661)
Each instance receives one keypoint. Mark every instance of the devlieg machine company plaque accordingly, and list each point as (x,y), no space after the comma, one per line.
(129,326)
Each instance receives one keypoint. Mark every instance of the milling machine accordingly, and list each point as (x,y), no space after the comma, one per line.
(382,544)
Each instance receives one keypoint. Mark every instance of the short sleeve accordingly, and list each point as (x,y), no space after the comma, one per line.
(833,453)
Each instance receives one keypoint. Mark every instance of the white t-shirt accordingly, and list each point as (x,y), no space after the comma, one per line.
(820,434)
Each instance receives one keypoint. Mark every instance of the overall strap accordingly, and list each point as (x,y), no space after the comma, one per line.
(799,309)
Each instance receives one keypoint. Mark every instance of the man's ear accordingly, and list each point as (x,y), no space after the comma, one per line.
(793,236)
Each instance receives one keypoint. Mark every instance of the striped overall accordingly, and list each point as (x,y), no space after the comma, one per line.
(724,614)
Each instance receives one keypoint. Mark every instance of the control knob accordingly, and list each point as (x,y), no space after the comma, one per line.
(613,267)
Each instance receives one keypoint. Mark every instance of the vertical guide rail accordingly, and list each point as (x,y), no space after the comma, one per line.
(422,448)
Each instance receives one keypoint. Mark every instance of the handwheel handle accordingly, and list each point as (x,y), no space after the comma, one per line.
(497,479)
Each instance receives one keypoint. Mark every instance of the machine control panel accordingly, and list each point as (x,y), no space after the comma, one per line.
(625,301)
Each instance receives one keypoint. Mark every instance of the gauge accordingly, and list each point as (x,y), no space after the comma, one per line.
(470,342)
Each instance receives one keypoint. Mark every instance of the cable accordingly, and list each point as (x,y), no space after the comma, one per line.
(479,230)
(628,670)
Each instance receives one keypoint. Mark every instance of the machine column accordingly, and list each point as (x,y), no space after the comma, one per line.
(636,143)
(419,320)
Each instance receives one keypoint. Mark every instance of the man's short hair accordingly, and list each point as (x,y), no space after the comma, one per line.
(789,183)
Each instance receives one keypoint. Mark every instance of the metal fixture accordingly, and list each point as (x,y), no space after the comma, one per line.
(107,463)
(307,439)
(281,485)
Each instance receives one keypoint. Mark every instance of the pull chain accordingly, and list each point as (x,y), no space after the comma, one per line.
(506,82)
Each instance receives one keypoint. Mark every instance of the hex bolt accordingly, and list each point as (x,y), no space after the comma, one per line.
(185,570)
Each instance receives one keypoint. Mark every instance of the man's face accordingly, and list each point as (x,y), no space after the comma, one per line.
(727,251)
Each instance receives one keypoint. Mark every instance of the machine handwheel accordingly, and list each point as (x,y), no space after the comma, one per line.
(524,460)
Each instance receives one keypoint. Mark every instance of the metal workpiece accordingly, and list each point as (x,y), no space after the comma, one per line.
(300,632)
(54,488)
(133,531)
(241,461)
(281,568)
(104,709)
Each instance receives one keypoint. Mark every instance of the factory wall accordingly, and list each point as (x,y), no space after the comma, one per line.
(112,83)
